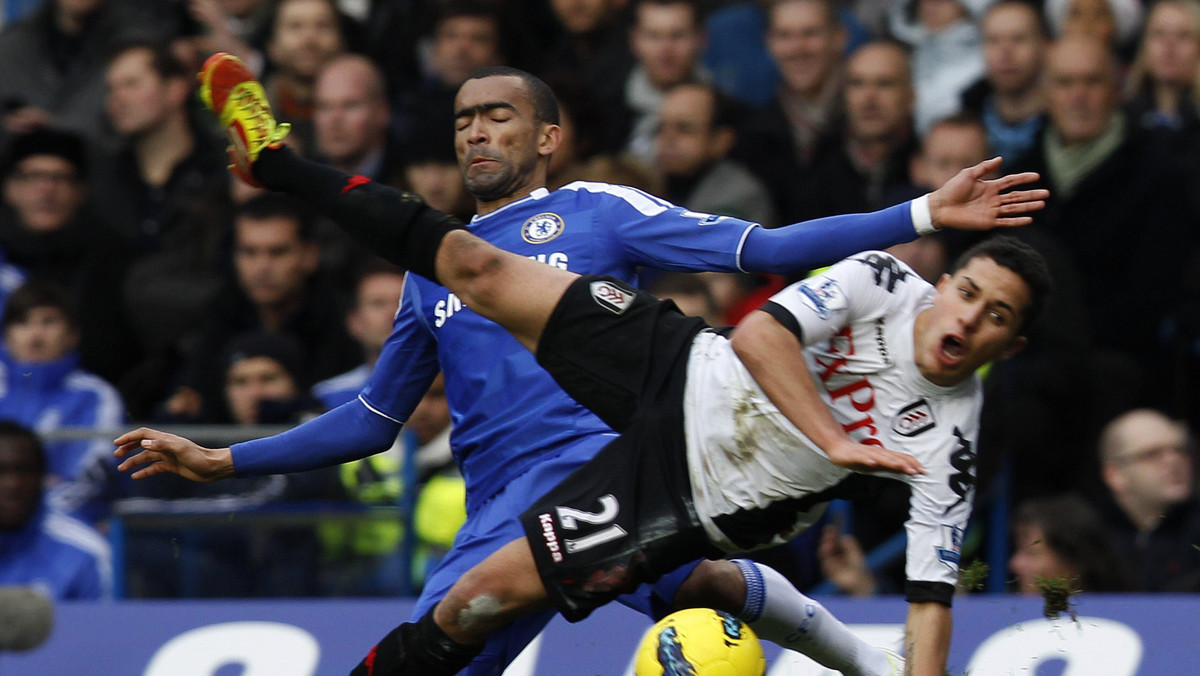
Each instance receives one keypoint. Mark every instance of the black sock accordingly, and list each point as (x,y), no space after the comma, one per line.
(417,649)
(392,223)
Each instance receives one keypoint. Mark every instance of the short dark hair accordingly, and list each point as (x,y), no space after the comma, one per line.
(479,9)
(37,293)
(545,103)
(162,59)
(1043,24)
(15,430)
(1073,530)
(697,7)
(1024,261)
(278,205)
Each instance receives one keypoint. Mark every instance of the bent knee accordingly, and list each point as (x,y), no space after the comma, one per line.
(713,584)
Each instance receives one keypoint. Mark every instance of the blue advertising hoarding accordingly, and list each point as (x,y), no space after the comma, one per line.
(1118,635)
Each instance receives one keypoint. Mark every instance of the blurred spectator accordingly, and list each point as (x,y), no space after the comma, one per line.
(369,322)
(365,557)
(264,380)
(1162,83)
(806,42)
(1154,515)
(1010,99)
(55,554)
(278,289)
(844,564)
(946,56)
(692,144)
(165,190)
(1061,539)
(47,231)
(1114,23)
(736,51)
(593,48)
(951,145)
(239,27)
(1104,178)
(305,34)
(51,66)
(690,292)
(431,171)
(153,188)
(352,119)
(666,39)
(43,386)
(860,161)
(467,36)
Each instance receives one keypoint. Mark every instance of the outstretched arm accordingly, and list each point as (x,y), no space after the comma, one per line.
(966,202)
(348,432)
(774,357)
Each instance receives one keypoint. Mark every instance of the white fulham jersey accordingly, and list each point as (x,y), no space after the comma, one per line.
(856,320)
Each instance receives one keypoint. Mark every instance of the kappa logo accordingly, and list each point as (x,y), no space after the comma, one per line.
(914,419)
(823,296)
(612,297)
(542,228)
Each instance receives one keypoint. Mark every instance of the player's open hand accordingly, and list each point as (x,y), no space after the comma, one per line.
(156,452)
(869,458)
(969,201)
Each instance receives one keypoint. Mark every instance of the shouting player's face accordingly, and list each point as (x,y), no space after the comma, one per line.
(498,139)
(975,318)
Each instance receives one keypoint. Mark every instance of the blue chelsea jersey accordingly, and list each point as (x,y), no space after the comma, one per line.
(507,412)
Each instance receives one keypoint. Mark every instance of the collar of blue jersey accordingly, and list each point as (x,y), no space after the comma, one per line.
(537,194)
(29,376)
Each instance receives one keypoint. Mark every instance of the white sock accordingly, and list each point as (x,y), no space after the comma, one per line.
(779,613)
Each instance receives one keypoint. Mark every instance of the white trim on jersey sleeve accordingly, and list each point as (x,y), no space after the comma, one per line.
(376,411)
(645,203)
(742,244)
(922,217)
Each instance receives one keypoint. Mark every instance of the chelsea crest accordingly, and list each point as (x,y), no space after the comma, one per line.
(542,228)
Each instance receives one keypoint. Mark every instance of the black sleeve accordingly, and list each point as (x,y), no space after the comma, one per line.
(783,316)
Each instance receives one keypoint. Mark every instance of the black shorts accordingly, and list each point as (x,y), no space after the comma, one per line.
(626,517)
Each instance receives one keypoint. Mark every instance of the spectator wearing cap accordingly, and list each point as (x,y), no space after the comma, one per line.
(266,381)
(43,386)
(47,230)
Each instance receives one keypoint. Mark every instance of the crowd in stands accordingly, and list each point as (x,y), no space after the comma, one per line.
(140,282)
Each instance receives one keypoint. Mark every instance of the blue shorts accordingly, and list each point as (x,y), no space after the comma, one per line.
(495,524)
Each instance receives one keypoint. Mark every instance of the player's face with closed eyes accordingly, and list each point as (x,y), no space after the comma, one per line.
(496,137)
(976,316)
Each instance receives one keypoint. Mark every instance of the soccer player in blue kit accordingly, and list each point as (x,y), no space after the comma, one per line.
(516,433)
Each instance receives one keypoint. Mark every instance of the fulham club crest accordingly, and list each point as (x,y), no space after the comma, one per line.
(542,228)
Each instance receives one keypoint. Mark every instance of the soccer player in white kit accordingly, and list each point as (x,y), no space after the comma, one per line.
(730,443)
